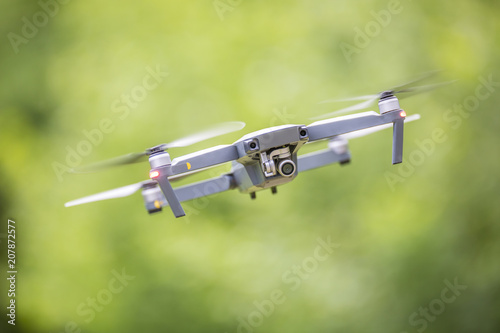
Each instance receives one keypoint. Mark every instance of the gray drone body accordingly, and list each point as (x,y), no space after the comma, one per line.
(268,158)
(260,160)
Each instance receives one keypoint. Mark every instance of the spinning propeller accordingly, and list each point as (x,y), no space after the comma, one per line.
(404,90)
(120,192)
(217,130)
(124,191)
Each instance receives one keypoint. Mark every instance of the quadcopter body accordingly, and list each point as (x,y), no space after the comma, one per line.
(260,160)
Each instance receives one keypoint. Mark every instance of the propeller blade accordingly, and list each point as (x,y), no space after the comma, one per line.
(356,98)
(408,92)
(120,192)
(367,131)
(220,129)
(412,83)
(129,189)
(116,161)
(355,107)
(397,89)
(404,90)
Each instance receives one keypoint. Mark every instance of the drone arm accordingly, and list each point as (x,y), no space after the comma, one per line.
(205,188)
(203,159)
(321,158)
(336,126)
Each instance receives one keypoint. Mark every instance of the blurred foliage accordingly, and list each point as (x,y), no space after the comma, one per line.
(262,61)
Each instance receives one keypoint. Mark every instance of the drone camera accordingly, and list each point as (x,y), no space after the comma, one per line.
(287,168)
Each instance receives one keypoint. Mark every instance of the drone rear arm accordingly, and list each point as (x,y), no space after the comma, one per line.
(321,158)
(204,188)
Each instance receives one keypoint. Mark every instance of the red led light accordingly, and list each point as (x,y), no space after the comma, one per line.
(154,174)
(402,114)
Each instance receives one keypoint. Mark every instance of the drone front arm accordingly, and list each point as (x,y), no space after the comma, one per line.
(204,159)
(332,127)
(335,126)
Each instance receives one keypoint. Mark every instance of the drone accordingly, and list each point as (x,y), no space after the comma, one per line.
(263,159)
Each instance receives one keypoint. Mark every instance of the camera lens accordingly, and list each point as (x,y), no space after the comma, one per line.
(286,168)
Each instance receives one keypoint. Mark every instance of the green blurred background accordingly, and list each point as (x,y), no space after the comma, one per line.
(265,63)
